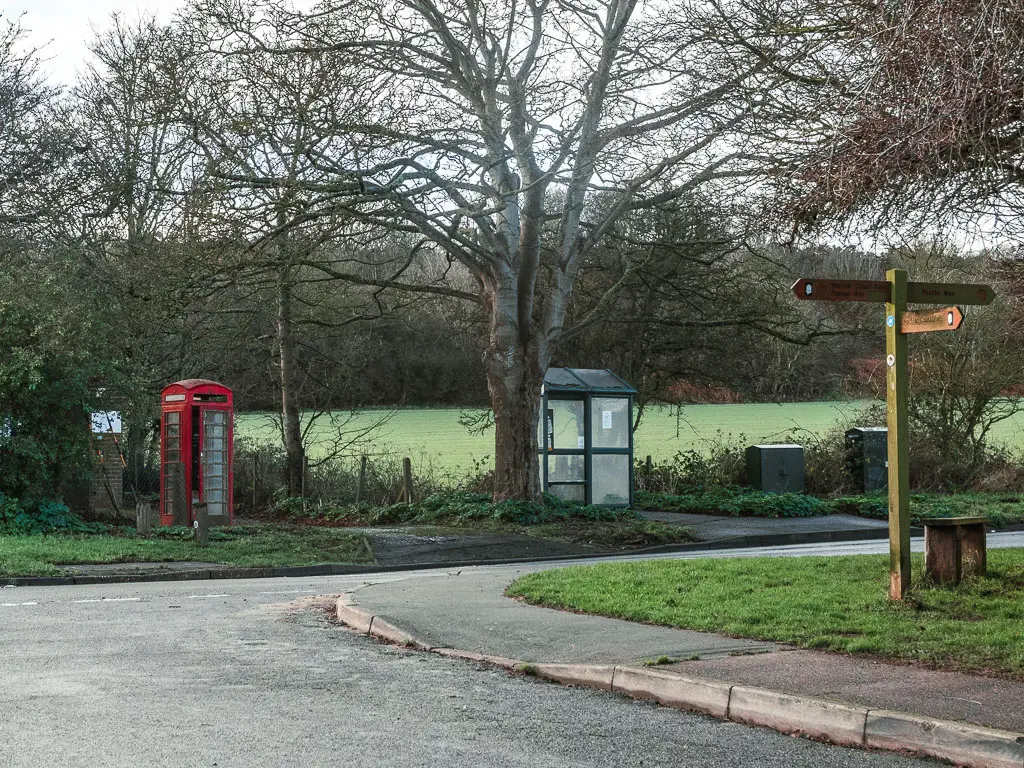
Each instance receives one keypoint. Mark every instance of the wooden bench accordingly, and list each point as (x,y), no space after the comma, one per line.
(954,548)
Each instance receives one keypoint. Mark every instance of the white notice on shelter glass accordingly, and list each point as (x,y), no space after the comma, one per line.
(606,419)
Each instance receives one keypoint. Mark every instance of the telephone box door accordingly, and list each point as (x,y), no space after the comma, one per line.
(215,461)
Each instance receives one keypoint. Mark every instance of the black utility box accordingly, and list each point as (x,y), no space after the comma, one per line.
(776,468)
(867,458)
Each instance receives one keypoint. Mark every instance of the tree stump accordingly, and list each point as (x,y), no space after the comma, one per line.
(954,548)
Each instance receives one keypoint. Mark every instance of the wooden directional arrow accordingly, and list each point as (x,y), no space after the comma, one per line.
(808,288)
(922,321)
(949,293)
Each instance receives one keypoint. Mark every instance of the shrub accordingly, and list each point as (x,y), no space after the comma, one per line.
(453,507)
(44,516)
(736,501)
(718,465)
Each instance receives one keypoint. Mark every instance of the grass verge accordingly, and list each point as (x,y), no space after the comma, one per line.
(835,603)
(256,545)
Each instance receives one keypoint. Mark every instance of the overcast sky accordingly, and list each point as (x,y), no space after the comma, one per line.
(65,26)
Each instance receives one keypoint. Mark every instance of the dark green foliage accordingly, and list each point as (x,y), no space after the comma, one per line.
(455,508)
(737,501)
(720,464)
(44,516)
(44,428)
(1002,510)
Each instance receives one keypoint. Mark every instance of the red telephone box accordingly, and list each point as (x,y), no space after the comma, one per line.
(196,450)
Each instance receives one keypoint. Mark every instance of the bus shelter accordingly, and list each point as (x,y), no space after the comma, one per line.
(585,436)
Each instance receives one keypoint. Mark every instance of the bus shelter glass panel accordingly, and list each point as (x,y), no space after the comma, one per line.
(609,422)
(566,428)
(567,476)
(566,469)
(215,461)
(610,484)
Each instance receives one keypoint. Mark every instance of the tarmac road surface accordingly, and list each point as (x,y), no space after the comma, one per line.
(246,673)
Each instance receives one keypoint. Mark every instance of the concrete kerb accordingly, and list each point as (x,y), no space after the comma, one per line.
(960,743)
(822,719)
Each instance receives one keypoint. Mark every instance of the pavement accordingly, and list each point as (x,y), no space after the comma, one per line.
(966,719)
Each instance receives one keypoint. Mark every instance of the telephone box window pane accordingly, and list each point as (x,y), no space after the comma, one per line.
(609,422)
(565,469)
(172,456)
(172,417)
(611,479)
(565,424)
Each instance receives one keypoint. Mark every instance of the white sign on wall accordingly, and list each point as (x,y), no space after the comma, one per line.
(606,419)
(106,422)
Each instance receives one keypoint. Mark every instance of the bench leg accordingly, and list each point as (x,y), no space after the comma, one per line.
(942,555)
(972,550)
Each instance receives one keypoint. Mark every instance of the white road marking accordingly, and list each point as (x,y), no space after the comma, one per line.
(109,600)
(15,605)
(292,592)
(200,597)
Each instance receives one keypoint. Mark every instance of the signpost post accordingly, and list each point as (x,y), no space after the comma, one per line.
(896,420)
(896,292)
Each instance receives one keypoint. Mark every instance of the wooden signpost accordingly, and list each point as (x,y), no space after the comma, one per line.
(896,292)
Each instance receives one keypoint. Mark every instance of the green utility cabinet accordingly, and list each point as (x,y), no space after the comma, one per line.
(776,468)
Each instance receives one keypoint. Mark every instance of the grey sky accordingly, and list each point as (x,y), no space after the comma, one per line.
(64,27)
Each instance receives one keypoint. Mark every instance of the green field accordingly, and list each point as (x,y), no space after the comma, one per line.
(433,436)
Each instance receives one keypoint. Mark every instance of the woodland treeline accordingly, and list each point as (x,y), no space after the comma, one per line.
(419,202)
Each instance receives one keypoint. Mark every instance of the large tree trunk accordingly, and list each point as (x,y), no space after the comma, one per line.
(515,373)
(290,417)
(515,397)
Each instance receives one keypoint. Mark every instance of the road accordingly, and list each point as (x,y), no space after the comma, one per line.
(248,673)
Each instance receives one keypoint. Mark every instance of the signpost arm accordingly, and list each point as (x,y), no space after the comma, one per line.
(899,463)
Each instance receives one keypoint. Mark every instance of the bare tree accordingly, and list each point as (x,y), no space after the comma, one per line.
(34,134)
(255,119)
(486,130)
(927,117)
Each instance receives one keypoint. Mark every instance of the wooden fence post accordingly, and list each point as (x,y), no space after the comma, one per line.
(361,488)
(201,525)
(255,469)
(143,518)
(407,480)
